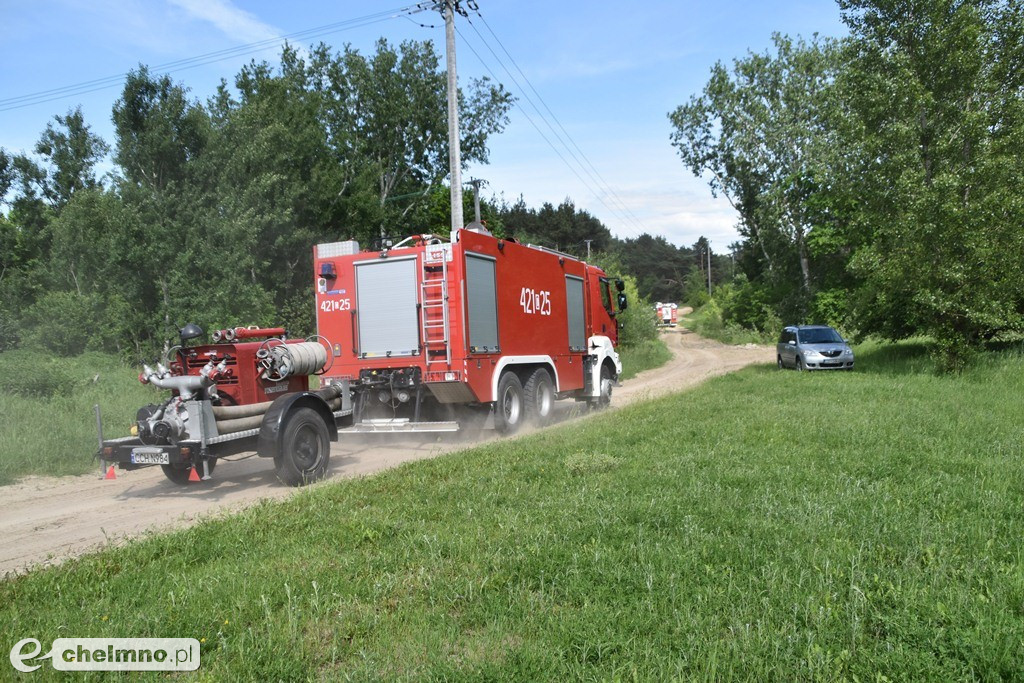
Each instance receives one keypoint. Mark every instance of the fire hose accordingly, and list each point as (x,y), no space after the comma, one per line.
(284,360)
(232,419)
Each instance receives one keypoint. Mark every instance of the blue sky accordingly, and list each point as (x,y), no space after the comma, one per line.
(608,71)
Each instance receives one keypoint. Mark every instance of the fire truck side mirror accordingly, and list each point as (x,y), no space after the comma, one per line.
(623,303)
(620,285)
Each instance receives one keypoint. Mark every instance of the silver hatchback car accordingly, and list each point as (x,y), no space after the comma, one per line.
(813,347)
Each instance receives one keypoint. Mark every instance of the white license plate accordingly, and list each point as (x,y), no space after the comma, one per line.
(150,456)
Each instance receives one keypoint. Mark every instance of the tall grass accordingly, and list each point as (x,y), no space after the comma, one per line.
(707,322)
(644,355)
(47,424)
(769,525)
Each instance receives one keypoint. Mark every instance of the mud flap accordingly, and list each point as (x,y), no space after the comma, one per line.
(588,375)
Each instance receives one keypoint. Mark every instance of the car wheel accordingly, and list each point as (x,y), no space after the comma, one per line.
(799,364)
(778,361)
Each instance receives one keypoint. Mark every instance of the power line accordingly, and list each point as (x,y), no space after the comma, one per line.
(53,94)
(541,132)
(622,211)
(606,185)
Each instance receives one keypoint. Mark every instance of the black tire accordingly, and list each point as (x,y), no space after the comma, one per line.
(179,475)
(305,449)
(540,397)
(779,362)
(799,364)
(509,409)
(604,398)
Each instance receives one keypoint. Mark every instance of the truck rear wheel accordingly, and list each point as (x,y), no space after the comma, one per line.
(305,449)
(540,397)
(508,406)
(179,474)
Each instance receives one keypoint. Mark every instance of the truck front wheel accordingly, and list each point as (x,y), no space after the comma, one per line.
(540,396)
(508,408)
(305,449)
(604,399)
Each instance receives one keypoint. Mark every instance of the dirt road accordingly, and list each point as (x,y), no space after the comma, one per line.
(44,520)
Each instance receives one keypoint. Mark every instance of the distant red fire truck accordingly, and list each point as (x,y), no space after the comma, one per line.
(668,314)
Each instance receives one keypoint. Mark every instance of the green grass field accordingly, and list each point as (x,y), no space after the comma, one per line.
(47,423)
(767,525)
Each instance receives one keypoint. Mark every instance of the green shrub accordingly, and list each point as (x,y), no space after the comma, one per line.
(34,374)
(695,288)
(831,307)
(650,353)
(66,323)
(638,323)
(9,336)
(709,321)
(747,306)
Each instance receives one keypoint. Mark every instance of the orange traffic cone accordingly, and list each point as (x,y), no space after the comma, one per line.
(110,473)
(193,475)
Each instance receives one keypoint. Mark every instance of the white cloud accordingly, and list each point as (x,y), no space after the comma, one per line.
(644,174)
(680,215)
(678,207)
(235,23)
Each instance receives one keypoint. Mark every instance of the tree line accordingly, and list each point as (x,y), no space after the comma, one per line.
(877,178)
(209,210)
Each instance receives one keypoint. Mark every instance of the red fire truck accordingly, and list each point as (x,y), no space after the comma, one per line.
(471,321)
(668,314)
(426,335)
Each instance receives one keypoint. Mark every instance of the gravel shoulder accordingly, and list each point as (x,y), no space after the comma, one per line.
(45,520)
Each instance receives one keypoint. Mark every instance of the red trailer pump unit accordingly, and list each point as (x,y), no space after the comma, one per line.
(242,381)
(476,321)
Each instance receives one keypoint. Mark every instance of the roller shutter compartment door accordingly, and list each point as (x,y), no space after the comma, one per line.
(482,304)
(386,301)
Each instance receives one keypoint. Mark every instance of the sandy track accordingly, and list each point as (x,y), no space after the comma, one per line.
(44,520)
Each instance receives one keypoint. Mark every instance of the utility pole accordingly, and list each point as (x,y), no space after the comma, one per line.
(476,182)
(588,248)
(709,269)
(454,153)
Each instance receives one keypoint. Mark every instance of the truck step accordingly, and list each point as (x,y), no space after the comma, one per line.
(386,426)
